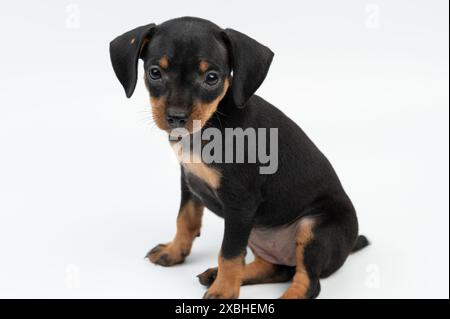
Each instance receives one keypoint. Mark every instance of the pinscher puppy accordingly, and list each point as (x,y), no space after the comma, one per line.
(298,221)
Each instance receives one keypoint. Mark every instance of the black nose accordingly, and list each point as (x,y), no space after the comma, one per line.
(176,118)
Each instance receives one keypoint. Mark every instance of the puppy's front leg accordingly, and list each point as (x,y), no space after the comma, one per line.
(189,221)
(238,224)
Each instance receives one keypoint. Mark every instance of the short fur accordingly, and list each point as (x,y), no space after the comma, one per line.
(305,189)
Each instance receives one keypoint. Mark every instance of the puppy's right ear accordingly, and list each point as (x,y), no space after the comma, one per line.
(125,51)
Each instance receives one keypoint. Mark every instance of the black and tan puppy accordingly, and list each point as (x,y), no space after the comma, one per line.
(298,221)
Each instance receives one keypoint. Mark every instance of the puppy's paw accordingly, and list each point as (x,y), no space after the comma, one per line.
(166,255)
(207,277)
(217,294)
(296,291)
(222,290)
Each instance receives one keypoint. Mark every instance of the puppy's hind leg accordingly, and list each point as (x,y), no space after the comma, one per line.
(262,272)
(258,271)
(304,281)
(323,243)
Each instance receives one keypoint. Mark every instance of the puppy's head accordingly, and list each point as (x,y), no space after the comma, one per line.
(189,66)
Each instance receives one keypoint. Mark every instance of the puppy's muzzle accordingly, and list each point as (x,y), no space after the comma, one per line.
(176,118)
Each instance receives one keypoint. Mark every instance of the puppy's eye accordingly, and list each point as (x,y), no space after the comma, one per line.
(211,78)
(155,73)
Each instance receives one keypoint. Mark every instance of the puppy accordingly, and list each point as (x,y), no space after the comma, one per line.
(298,220)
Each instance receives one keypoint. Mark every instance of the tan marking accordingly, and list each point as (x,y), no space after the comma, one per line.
(229,278)
(258,271)
(158,112)
(204,111)
(194,165)
(132,41)
(209,175)
(300,283)
(164,62)
(200,111)
(189,222)
(203,66)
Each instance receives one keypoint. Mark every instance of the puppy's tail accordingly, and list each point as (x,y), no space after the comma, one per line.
(360,243)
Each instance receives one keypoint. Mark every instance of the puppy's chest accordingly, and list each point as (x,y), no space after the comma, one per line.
(203,180)
(203,190)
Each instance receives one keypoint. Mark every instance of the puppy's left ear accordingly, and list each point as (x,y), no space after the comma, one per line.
(125,51)
(250,63)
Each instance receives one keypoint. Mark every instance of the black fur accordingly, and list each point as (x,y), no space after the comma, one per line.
(305,183)
(125,52)
(250,62)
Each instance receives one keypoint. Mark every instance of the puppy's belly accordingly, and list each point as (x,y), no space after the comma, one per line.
(276,245)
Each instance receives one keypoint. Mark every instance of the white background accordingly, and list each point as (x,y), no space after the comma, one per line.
(88,184)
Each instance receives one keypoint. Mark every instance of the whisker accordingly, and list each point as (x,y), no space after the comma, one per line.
(223,114)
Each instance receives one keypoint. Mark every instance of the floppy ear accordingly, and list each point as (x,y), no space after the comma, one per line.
(125,51)
(250,63)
